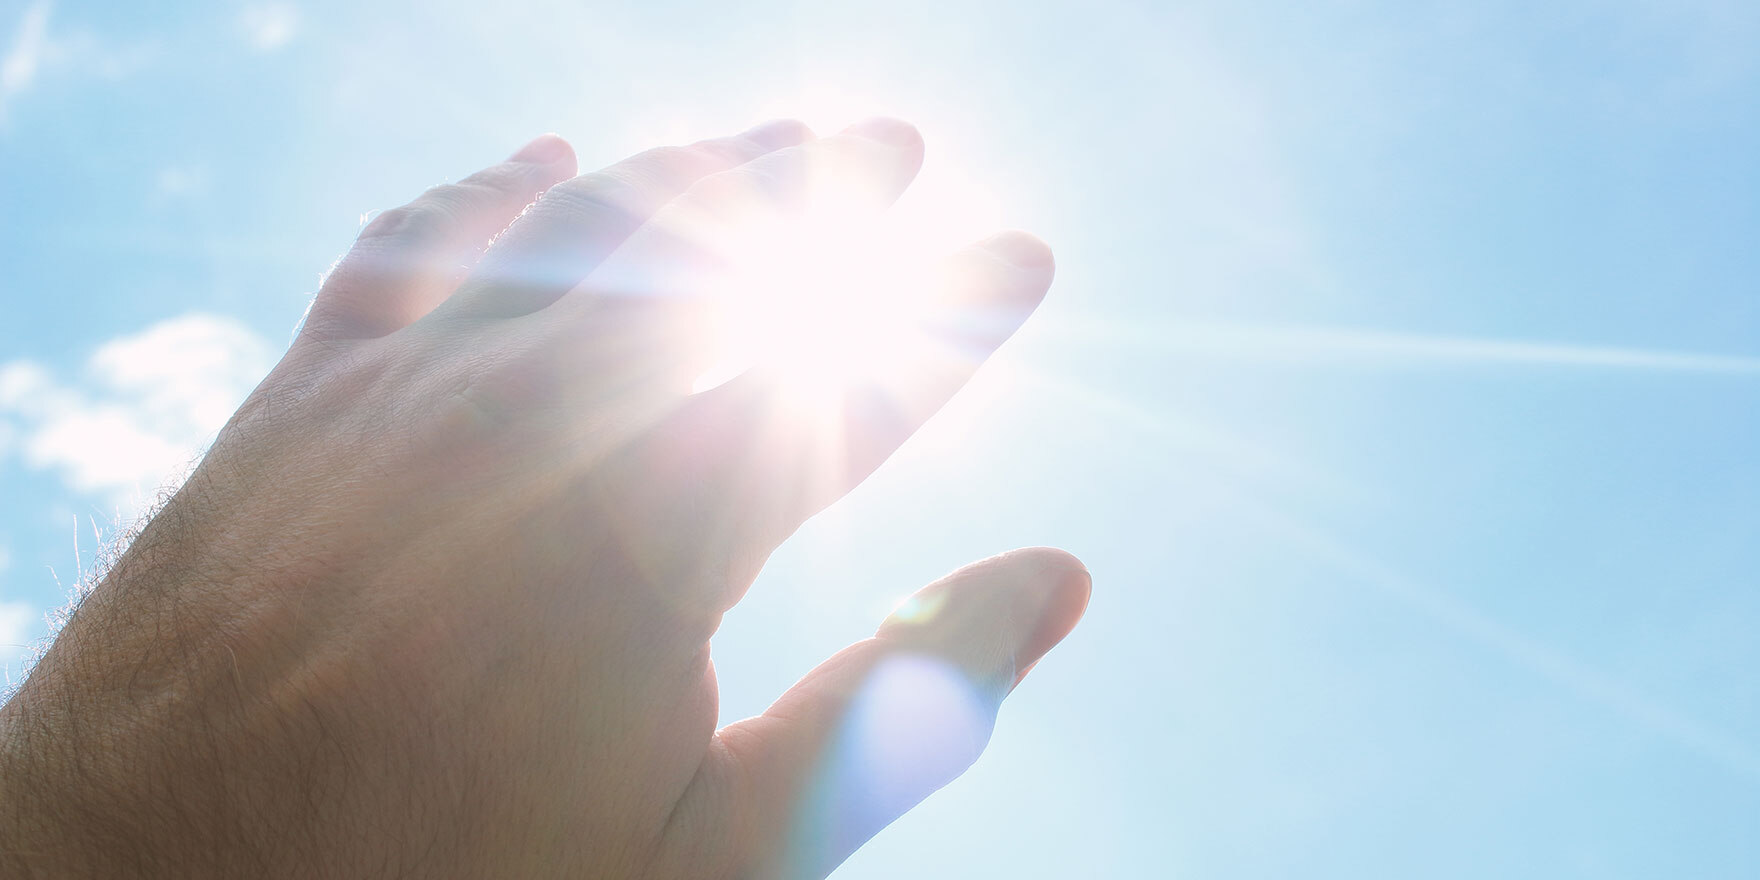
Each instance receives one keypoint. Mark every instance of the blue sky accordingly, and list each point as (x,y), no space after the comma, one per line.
(1400,384)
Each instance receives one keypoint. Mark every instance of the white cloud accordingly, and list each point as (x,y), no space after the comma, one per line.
(177,181)
(18,69)
(269,26)
(141,410)
(38,50)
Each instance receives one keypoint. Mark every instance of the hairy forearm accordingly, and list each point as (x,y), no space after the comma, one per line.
(100,778)
(59,814)
(204,717)
(132,749)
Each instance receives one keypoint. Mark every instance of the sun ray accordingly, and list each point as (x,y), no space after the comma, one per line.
(1242,468)
(1536,656)
(1311,344)
(1244,458)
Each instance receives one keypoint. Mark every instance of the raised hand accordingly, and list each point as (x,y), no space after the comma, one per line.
(439,600)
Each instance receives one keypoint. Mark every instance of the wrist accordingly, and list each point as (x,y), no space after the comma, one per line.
(96,778)
(37,786)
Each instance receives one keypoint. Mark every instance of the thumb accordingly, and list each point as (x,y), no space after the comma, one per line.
(887,721)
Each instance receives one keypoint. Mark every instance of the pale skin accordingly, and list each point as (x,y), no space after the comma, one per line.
(438,602)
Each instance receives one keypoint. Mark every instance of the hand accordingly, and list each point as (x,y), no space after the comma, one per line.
(438,602)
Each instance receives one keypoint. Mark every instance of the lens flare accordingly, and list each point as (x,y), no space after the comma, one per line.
(819,301)
(915,724)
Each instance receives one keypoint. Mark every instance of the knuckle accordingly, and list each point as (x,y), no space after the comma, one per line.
(784,175)
(780,182)
(484,399)
(727,150)
(626,194)
(595,199)
(441,207)
(472,411)
(668,163)
(418,219)
(509,179)
(727,186)
(450,201)
(665,171)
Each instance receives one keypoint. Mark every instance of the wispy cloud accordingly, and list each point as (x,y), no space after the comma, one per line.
(269,26)
(141,409)
(37,50)
(30,42)
(178,181)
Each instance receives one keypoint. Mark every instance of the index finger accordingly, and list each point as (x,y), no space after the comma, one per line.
(569,231)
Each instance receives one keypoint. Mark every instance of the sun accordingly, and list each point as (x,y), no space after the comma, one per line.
(845,286)
(819,302)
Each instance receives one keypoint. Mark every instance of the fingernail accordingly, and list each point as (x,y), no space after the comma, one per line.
(778,133)
(545,149)
(886,130)
(1020,249)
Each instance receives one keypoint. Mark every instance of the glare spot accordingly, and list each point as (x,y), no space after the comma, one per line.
(917,722)
(920,609)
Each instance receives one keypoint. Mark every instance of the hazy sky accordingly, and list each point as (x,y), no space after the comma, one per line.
(1400,384)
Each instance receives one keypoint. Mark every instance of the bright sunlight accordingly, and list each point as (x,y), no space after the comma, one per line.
(818,303)
(840,291)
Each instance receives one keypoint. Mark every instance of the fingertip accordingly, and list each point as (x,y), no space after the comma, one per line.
(1021,249)
(990,287)
(778,133)
(1068,586)
(1027,600)
(546,149)
(902,138)
(895,133)
(1005,276)
(1061,615)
